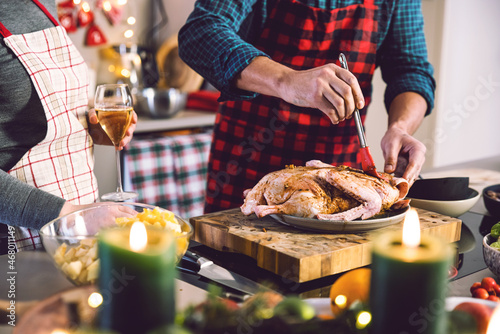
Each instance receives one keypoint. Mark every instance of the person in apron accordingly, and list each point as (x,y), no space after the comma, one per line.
(60,162)
(285,98)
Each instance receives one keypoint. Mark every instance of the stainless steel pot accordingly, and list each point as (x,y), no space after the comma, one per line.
(159,103)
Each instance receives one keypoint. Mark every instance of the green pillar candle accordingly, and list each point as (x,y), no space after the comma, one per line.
(408,284)
(136,282)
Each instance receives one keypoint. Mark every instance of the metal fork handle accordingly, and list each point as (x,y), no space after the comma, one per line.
(357,117)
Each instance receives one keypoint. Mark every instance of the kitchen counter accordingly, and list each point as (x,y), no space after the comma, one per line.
(185,119)
(37,277)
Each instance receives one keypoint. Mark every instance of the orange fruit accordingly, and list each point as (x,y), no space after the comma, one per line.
(351,286)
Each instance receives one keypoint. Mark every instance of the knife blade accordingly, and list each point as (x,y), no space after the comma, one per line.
(208,269)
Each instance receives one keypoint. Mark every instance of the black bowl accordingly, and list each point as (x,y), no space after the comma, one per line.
(491,204)
(441,189)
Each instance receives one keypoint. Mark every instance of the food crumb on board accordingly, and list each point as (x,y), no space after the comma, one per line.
(264,229)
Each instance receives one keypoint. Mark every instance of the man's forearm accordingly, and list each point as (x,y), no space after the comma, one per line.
(329,88)
(263,76)
(407,112)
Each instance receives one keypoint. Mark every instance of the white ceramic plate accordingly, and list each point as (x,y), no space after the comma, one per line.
(322,305)
(448,208)
(358,225)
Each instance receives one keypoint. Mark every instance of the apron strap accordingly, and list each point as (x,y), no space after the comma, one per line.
(4,32)
(42,7)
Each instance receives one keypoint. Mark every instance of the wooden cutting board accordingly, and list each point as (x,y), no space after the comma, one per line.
(299,255)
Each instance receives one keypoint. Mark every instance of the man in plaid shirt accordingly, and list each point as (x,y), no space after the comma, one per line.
(286,100)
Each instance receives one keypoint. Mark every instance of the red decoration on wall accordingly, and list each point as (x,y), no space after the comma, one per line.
(95,36)
(114,15)
(73,16)
(66,5)
(85,18)
(65,14)
(68,22)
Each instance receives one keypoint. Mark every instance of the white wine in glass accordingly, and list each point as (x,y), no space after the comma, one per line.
(113,106)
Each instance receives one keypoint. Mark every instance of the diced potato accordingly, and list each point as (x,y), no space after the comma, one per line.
(80,252)
(88,242)
(156,217)
(81,264)
(90,261)
(93,271)
(82,277)
(59,254)
(75,261)
(74,268)
(92,253)
(69,256)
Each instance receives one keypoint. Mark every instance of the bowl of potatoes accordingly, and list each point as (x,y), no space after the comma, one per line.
(71,240)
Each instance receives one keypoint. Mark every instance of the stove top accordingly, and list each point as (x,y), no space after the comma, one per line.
(474,227)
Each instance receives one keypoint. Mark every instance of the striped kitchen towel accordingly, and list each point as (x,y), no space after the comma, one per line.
(170,172)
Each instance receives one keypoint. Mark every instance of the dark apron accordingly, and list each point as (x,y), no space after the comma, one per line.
(253,138)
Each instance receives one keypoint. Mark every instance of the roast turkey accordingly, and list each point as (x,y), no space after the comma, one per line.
(325,192)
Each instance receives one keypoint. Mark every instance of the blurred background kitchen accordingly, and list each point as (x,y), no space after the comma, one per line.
(464,126)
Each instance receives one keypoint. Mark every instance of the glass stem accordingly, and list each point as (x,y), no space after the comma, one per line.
(119,188)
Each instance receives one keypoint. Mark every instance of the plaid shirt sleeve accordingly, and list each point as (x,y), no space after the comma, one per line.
(209,43)
(403,55)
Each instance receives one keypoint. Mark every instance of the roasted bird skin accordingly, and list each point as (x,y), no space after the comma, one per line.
(326,192)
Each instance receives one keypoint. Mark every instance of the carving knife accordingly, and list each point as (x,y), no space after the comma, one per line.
(204,267)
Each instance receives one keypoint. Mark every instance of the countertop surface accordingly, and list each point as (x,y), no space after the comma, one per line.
(185,119)
(37,277)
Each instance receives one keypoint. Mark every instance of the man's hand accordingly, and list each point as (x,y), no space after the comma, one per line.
(329,88)
(404,155)
(101,138)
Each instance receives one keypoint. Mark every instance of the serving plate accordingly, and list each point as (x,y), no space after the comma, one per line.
(358,225)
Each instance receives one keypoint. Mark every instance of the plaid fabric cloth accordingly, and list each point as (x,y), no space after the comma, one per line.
(217,41)
(170,172)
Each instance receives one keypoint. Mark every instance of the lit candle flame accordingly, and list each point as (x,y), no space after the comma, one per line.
(411,229)
(59,331)
(138,237)
(494,323)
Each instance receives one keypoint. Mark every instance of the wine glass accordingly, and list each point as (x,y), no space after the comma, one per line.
(113,106)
